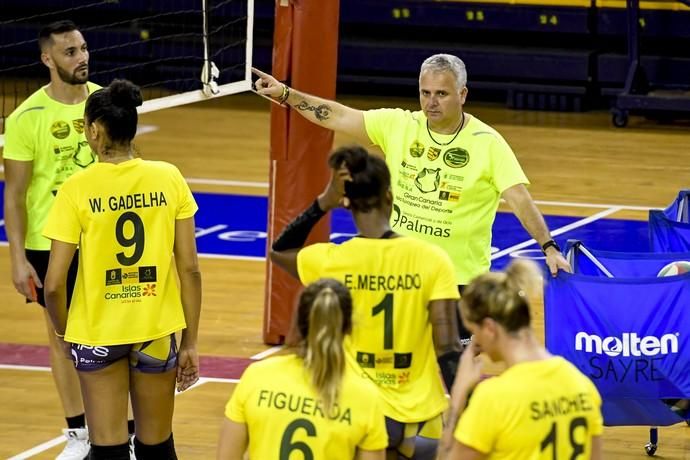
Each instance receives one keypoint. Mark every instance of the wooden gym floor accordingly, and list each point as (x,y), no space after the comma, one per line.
(223,146)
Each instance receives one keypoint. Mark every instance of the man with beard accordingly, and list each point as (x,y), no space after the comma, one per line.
(44,145)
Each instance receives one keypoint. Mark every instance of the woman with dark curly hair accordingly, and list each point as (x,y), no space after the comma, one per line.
(132,220)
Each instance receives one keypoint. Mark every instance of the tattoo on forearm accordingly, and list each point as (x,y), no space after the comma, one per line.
(321,112)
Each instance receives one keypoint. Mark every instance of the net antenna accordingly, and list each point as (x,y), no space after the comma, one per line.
(209,73)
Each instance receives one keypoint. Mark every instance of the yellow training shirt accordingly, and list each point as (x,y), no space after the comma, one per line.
(285,417)
(392,282)
(51,135)
(123,218)
(538,410)
(445,194)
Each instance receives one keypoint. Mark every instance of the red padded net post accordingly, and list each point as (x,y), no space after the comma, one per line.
(305,46)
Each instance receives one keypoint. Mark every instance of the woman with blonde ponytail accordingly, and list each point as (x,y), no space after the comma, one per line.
(322,351)
(307,402)
(541,407)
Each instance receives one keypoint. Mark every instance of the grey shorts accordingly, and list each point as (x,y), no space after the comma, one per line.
(152,357)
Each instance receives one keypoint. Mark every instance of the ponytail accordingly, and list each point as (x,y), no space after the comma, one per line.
(524,276)
(325,357)
(115,106)
(324,316)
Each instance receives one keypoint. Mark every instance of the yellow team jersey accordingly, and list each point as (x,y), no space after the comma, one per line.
(392,282)
(51,135)
(445,194)
(284,414)
(123,218)
(537,410)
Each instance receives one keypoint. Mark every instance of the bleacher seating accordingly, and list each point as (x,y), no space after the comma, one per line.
(539,54)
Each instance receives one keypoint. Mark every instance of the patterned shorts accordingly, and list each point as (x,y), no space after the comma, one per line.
(155,356)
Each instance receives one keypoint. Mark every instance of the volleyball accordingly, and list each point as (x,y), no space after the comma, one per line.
(678,267)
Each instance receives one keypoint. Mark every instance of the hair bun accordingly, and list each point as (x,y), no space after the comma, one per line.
(125,94)
(357,160)
(526,276)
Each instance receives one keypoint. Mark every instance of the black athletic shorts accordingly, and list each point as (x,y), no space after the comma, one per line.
(39,260)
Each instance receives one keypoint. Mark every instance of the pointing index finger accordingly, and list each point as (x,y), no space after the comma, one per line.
(259,72)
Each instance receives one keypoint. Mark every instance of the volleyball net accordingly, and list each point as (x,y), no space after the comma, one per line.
(177,51)
(184,51)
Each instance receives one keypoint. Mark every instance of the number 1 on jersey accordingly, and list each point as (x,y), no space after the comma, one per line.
(386,306)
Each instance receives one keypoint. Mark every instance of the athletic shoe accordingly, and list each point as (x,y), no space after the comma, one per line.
(77,447)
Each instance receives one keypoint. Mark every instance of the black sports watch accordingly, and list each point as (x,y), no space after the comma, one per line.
(550,244)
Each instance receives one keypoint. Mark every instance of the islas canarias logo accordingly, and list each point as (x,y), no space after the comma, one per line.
(400,220)
(150,290)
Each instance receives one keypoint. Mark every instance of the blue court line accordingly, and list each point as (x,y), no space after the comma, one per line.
(234,226)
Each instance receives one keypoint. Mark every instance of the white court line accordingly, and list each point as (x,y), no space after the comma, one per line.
(592,205)
(144,129)
(60,439)
(201,256)
(17,367)
(220,380)
(223,256)
(268,352)
(230,183)
(39,448)
(558,231)
(611,209)
(239,183)
(141,129)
